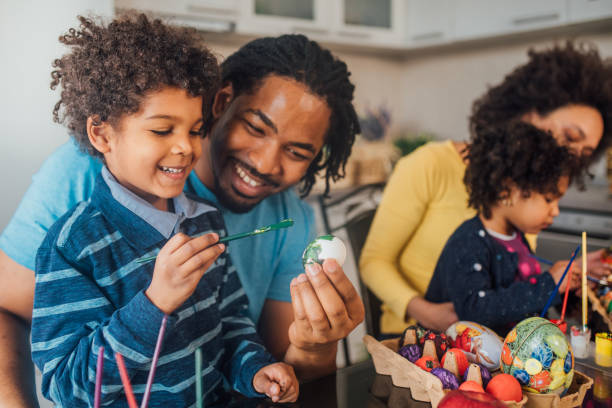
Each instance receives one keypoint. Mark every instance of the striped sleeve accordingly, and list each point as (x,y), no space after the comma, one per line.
(247,355)
(72,318)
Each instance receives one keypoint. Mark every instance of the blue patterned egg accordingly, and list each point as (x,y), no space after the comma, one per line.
(539,356)
(569,363)
(543,354)
(522,376)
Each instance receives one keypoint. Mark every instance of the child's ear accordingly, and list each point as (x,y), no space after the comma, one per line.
(99,134)
(222,100)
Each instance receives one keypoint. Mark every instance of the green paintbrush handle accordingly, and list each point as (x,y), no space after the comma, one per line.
(283,224)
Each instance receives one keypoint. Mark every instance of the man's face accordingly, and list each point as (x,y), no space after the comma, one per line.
(262,143)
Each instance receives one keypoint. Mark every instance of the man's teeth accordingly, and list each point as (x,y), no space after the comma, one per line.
(171,169)
(245,177)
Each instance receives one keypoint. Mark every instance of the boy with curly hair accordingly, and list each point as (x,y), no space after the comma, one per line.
(515,176)
(134,93)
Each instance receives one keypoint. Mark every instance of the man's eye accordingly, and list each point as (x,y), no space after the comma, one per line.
(296,154)
(252,128)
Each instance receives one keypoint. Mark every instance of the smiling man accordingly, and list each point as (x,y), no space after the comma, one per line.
(283,115)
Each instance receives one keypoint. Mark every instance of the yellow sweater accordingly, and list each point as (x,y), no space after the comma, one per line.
(423,203)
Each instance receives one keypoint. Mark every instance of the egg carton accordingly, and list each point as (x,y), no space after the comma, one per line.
(573,398)
(426,387)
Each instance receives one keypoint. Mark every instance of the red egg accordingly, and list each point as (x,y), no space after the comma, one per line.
(505,387)
(462,362)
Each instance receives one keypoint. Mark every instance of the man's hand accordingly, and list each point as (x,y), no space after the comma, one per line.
(434,316)
(326,307)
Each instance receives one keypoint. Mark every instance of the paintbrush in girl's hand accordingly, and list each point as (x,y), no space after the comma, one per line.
(272,227)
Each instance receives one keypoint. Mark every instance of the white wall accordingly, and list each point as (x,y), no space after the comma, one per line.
(430,91)
(29,32)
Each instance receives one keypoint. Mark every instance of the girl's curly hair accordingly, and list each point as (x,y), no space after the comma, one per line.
(562,75)
(109,70)
(520,155)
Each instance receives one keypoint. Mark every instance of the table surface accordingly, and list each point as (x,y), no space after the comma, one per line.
(356,386)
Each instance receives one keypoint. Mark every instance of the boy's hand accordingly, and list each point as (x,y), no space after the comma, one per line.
(277,381)
(572,278)
(179,266)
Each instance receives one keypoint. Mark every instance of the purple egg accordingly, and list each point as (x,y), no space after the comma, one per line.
(412,352)
(484,374)
(448,379)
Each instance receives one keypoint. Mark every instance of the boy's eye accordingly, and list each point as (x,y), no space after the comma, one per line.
(199,132)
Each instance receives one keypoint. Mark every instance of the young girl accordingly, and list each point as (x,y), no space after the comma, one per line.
(515,176)
(132,94)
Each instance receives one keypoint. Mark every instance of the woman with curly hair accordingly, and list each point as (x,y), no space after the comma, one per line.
(515,176)
(566,90)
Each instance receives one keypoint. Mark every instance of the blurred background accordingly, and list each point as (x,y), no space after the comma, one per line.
(417,65)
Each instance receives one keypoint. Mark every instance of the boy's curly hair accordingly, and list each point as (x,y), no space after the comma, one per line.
(553,78)
(296,57)
(516,154)
(109,70)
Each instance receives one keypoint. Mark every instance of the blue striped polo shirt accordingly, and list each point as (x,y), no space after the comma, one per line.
(90,293)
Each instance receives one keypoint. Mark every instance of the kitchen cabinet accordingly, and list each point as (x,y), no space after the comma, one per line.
(340,21)
(275,17)
(206,15)
(488,18)
(429,22)
(584,10)
(398,25)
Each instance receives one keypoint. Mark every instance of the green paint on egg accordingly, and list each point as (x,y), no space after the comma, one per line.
(322,248)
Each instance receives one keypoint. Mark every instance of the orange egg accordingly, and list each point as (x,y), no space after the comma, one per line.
(505,387)
(471,386)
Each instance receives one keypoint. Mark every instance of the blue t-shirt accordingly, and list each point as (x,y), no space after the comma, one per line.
(266,263)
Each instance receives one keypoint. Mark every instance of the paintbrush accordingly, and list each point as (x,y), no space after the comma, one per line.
(272,227)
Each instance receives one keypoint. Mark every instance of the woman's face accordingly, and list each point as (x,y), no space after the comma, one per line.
(579,127)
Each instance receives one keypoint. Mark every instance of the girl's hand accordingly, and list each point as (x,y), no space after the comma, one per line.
(278,382)
(179,266)
(596,266)
(572,278)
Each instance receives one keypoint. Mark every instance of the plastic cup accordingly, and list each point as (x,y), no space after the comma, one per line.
(603,349)
(579,340)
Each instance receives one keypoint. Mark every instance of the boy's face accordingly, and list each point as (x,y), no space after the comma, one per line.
(534,213)
(152,151)
(263,142)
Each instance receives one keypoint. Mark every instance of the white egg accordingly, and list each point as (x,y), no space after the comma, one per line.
(324,247)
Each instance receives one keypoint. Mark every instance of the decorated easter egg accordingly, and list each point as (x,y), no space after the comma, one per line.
(480,344)
(322,248)
(538,355)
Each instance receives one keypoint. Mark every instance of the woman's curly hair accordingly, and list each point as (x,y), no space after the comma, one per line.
(109,70)
(553,78)
(296,57)
(518,155)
